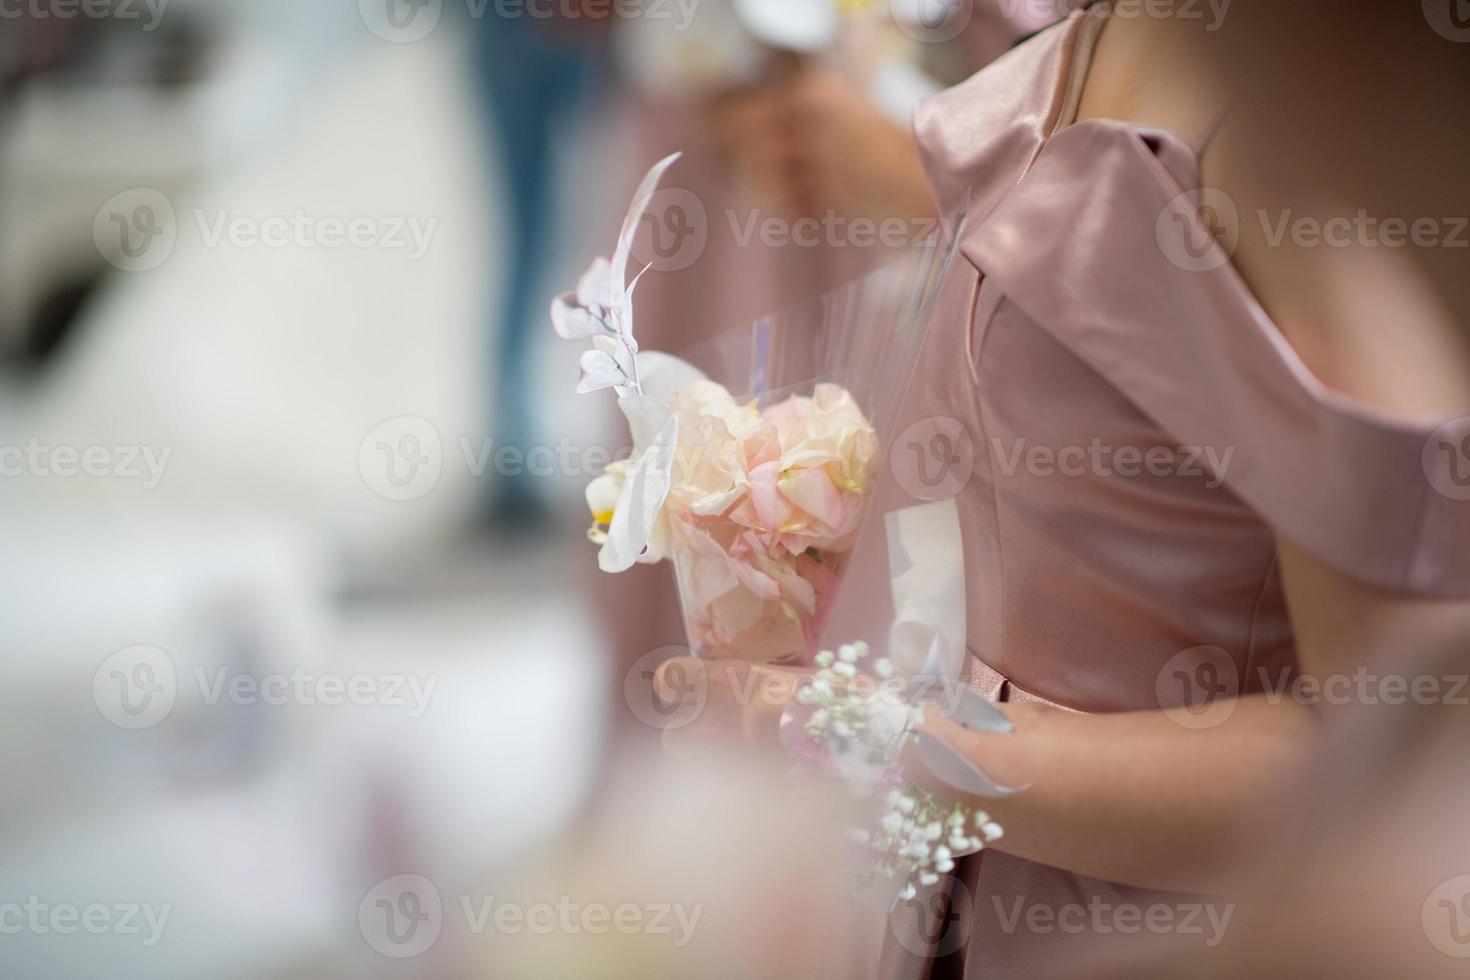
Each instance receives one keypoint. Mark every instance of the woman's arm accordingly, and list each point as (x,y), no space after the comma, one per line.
(1142,799)
(1136,797)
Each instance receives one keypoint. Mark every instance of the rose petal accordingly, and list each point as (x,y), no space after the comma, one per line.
(771,509)
(813,492)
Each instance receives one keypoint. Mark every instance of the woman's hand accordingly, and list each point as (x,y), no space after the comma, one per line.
(731,701)
(812,142)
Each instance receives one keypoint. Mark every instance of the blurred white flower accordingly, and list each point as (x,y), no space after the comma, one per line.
(601,308)
(631,530)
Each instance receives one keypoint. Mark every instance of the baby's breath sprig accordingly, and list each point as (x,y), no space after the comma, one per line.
(920,837)
(917,837)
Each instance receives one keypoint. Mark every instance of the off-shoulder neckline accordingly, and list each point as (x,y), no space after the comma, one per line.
(1067,93)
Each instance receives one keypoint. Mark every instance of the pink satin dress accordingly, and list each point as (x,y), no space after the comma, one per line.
(1076,340)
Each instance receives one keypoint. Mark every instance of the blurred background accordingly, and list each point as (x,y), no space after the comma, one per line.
(299,599)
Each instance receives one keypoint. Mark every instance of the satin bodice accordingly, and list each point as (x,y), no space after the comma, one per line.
(1140,432)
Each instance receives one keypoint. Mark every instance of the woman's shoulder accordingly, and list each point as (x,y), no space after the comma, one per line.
(1338,149)
(1345,158)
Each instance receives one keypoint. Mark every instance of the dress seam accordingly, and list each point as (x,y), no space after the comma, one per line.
(1000,548)
(1251,650)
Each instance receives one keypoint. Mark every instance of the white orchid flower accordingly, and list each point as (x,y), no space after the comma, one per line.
(602,306)
(588,311)
(610,364)
(627,500)
(618,490)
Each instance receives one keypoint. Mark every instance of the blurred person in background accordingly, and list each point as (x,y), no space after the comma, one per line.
(538,75)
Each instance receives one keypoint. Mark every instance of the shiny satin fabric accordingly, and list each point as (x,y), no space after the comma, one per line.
(1132,434)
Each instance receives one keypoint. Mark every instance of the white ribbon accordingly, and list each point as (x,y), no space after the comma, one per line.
(926,642)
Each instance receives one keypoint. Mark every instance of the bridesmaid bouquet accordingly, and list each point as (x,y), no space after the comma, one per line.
(754,460)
